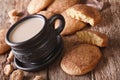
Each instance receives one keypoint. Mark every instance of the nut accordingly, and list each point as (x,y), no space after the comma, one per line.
(10,57)
(38,78)
(8,69)
(13,13)
(14,19)
(17,75)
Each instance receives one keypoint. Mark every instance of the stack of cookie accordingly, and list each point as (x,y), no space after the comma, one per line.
(84,57)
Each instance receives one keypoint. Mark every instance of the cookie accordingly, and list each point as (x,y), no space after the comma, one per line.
(93,37)
(3,46)
(81,59)
(85,13)
(17,75)
(15,12)
(58,6)
(71,25)
(47,14)
(37,5)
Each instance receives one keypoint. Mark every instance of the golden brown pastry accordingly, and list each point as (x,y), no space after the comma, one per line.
(58,6)
(85,13)
(3,46)
(81,59)
(37,5)
(47,14)
(71,25)
(93,37)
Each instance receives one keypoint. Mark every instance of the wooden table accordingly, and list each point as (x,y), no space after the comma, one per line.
(109,66)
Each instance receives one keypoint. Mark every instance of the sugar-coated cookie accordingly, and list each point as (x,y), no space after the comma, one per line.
(47,14)
(58,6)
(85,13)
(71,25)
(93,37)
(81,59)
(38,5)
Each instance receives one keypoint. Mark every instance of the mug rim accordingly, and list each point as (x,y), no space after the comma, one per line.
(11,43)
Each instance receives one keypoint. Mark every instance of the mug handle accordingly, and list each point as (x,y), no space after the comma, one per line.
(61,25)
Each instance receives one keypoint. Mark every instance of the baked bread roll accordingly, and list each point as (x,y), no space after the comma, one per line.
(81,59)
(93,37)
(58,6)
(71,25)
(38,5)
(85,13)
(47,14)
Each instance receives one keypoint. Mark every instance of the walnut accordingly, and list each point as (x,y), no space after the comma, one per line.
(13,13)
(10,57)
(14,19)
(17,75)
(38,78)
(8,69)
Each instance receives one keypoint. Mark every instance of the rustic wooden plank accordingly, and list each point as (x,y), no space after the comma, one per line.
(5,7)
